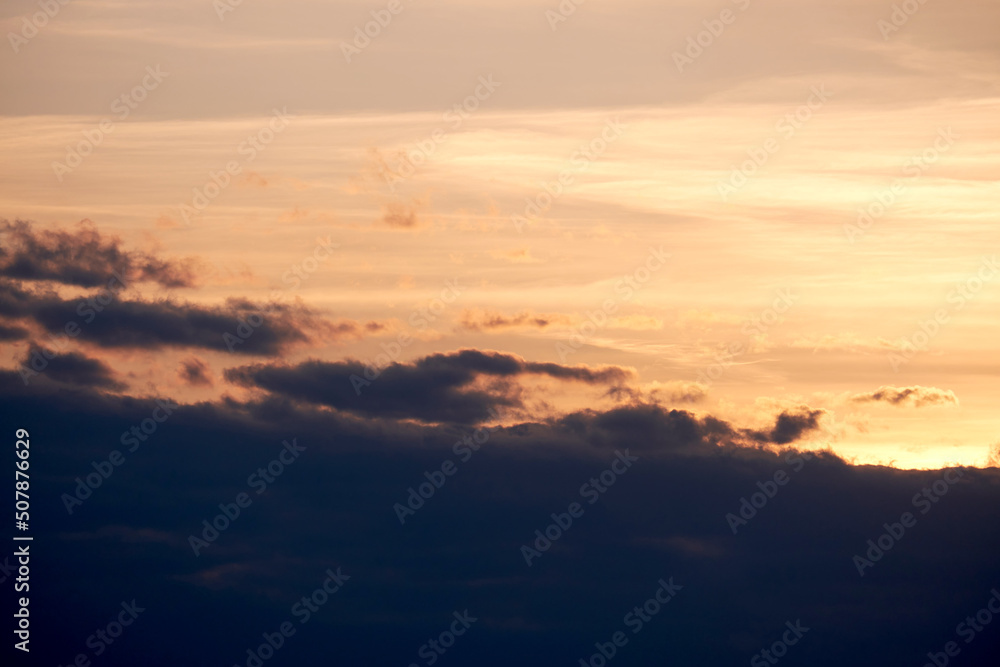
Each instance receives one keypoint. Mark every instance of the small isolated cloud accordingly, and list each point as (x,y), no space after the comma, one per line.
(349,329)
(483,320)
(915,396)
(400,216)
(252,179)
(167,222)
(515,256)
(294,215)
(195,372)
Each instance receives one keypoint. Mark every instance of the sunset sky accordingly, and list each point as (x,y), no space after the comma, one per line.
(417,180)
(751,224)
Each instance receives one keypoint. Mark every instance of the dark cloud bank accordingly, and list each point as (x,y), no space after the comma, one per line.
(663,517)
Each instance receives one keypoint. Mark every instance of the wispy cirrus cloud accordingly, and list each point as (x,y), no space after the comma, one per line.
(491,320)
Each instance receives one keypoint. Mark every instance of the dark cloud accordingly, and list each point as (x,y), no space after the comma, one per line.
(15,301)
(12,332)
(790,426)
(82,257)
(665,517)
(654,428)
(240,326)
(195,372)
(70,368)
(440,387)
(916,396)
(650,428)
(170,324)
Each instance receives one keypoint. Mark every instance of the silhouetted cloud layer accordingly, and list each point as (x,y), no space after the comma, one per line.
(83,258)
(440,387)
(239,326)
